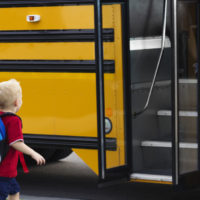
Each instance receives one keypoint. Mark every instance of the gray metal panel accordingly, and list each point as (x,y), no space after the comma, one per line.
(188,159)
(188,94)
(150,14)
(187,128)
(143,64)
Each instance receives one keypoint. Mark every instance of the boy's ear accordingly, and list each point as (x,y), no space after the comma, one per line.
(16,102)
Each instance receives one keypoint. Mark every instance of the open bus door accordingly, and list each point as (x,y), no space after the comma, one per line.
(186,99)
(166,136)
(113,165)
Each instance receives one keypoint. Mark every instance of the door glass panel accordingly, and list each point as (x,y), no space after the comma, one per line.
(187,74)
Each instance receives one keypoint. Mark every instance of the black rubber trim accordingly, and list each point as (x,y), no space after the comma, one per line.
(73,35)
(31,3)
(127,86)
(45,141)
(84,66)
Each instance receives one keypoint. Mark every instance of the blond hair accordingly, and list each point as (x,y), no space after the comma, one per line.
(10,91)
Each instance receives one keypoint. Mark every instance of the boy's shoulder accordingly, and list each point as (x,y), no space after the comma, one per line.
(5,114)
(9,116)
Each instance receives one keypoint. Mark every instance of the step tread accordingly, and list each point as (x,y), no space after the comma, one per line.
(143,43)
(188,81)
(152,177)
(160,84)
(168,144)
(182,113)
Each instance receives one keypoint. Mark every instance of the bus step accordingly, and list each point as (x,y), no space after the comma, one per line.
(142,177)
(164,144)
(158,154)
(181,113)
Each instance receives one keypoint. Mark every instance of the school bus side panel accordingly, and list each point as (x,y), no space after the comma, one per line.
(64,103)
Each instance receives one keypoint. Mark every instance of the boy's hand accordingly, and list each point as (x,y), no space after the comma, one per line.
(20,146)
(38,158)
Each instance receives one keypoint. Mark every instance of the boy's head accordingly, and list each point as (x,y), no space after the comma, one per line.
(10,95)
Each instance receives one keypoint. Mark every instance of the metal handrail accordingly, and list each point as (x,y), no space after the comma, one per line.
(159,60)
(100,88)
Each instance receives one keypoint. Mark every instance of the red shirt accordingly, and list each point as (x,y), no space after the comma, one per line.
(13,125)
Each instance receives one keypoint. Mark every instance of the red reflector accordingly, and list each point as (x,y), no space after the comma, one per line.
(31,18)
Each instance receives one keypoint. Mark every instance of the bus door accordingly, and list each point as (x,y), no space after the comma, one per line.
(186,108)
(166,133)
(112,113)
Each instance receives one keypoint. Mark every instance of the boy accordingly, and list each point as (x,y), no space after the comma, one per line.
(10,102)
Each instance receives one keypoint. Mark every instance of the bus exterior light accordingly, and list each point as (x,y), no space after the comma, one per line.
(33,18)
(108,125)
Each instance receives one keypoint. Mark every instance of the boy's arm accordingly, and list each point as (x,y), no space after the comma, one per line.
(22,147)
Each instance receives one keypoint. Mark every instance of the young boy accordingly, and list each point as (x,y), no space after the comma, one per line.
(10,102)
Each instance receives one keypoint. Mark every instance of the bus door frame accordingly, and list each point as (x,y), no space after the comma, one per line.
(110,176)
(190,179)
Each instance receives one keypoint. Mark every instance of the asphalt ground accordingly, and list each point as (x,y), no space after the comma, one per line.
(26,197)
(71,179)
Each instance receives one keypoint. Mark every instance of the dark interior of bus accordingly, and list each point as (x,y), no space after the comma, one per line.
(152,133)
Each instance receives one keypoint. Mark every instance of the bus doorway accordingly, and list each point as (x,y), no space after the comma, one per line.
(165,133)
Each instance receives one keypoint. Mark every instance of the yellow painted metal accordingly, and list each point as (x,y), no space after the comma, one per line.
(114,100)
(65,103)
(57,103)
(90,157)
(117,158)
(53,17)
(49,51)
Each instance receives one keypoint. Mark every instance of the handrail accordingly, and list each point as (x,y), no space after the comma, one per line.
(100,89)
(158,63)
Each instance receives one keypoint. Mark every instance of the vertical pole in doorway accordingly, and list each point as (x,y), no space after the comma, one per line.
(175,117)
(198,78)
(100,88)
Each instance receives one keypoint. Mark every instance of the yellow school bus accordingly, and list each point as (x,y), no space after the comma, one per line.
(109,80)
